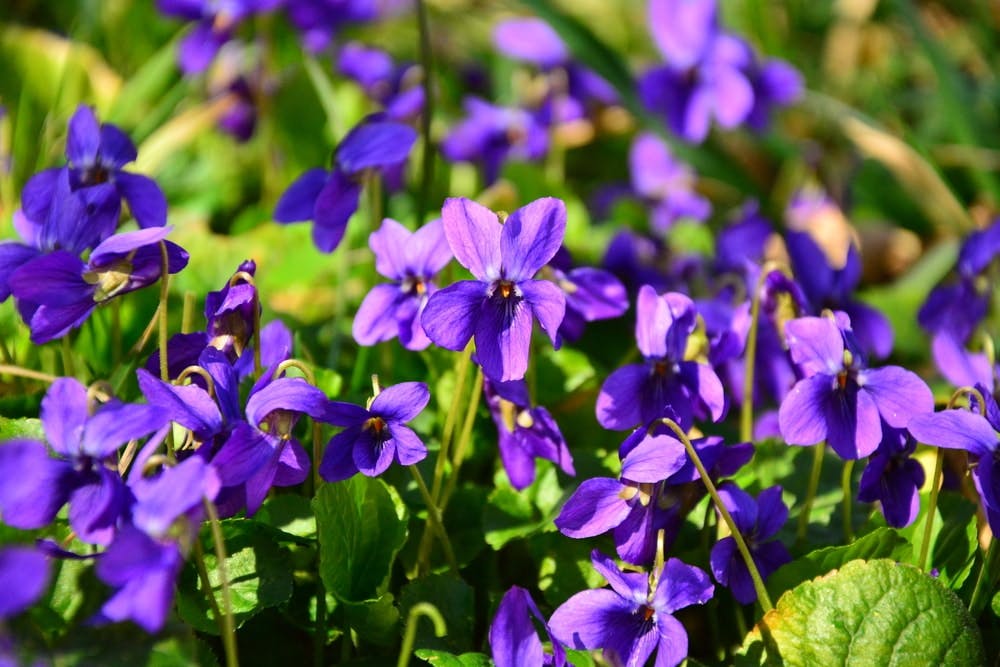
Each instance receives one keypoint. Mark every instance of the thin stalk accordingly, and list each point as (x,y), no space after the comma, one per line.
(229,635)
(925,545)
(17,371)
(461,371)
(206,583)
(750,355)
(758,583)
(162,311)
(69,369)
(984,582)
(435,519)
(187,313)
(818,452)
(426,64)
(116,332)
(410,635)
(845,485)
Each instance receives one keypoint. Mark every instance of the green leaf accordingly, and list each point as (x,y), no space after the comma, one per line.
(362,526)
(30,429)
(121,645)
(259,574)
(867,613)
(956,544)
(880,543)
(453,598)
(290,513)
(376,621)
(445,659)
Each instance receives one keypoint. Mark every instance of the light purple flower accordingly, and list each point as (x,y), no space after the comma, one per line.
(666,183)
(498,307)
(411,260)
(839,399)
(640,393)
(635,617)
(375,436)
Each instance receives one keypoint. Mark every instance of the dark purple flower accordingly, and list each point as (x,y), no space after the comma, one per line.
(513,640)
(499,306)
(96,154)
(641,393)
(591,294)
(411,260)
(84,473)
(491,135)
(743,241)
(232,312)
(975,434)
(318,21)
(634,617)
(839,399)
(375,436)
(638,260)
(666,183)
(261,451)
(216,24)
(893,478)
(757,521)
(826,287)
(525,432)
(329,199)
(394,87)
(24,577)
(775,84)
(58,291)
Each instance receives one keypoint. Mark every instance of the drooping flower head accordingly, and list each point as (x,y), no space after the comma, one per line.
(375,436)
(525,432)
(757,520)
(894,478)
(641,393)
(499,306)
(513,640)
(840,399)
(411,260)
(591,294)
(634,617)
(329,199)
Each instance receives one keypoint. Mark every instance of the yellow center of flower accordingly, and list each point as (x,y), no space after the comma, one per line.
(109,281)
(376,424)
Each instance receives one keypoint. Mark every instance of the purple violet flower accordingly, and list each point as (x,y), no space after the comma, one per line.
(634,617)
(525,433)
(491,135)
(375,436)
(839,399)
(757,520)
(893,478)
(329,199)
(975,433)
(591,294)
(84,473)
(513,640)
(411,260)
(24,577)
(666,183)
(498,307)
(96,154)
(57,292)
(394,87)
(216,24)
(318,21)
(641,393)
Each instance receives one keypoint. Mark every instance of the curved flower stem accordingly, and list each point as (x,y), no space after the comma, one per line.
(229,635)
(984,582)
(818,452)
(758,583)
(427,160)
(17,371)
(845,484)
(410,635)
(435,519)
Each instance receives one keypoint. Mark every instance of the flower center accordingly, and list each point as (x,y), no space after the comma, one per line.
(647,612)
(376,425)
(279,423)
(506,288)
(110,281)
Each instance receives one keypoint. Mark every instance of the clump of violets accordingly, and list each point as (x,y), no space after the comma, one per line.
(524,432)
(499,306)
(757,520)
(330,198)
(839,399)
(666,383)
(513,640)
(411,260)
(376,435)
(634,617)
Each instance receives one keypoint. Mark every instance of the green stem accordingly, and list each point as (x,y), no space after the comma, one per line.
(845,485)
(162,310)
(17,371)
(319,638)
(229,634)
(925,545)
(818,452)
(410,635)
(426,64)
(116,332)
(750,354)
(435,519)
(187,312)
(206,583)
(758,583)
(984,582)
(324,91)
(461,371)
(69,369)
